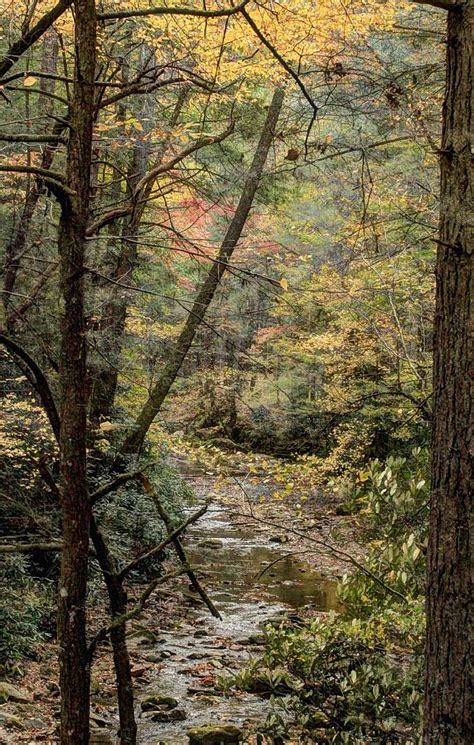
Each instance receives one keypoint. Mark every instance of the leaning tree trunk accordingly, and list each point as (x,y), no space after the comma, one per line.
(449,705)
(76,512)
(135,437)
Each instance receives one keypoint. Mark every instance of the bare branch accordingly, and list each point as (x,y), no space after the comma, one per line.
(151,175)
(165,542)
(32,138)
(41,383)
(197,12)
(29,37)
(111,486)
(133,613)
(281,60)
(25,548)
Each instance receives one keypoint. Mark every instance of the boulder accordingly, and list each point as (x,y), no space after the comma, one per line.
(11,693)
(97,737)
(215,734)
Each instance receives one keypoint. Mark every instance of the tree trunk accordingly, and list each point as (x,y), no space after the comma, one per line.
(449,705)
(118,607)
(115,316)
(134,440)
(76,512)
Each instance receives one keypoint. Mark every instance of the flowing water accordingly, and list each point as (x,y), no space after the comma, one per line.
(230,560)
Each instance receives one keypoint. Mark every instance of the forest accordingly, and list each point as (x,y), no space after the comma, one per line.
(236,357)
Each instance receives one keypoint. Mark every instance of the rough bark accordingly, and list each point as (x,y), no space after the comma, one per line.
(118,608)
(449,705)
(135,437)
(76,511)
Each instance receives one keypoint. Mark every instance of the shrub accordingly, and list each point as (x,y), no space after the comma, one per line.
(359,675)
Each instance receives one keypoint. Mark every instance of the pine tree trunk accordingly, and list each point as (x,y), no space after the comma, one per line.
(449,705)
(73,655)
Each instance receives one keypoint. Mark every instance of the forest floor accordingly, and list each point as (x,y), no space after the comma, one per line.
(260,558)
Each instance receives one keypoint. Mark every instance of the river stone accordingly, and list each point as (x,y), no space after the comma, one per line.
(278,539)
(142,637)
(97,737)
(10,720)
(154,657)
(211,543)
(175,715)
(36,723)
(10,693)
(199,655)
(157,701)
(214,734)
(97,720)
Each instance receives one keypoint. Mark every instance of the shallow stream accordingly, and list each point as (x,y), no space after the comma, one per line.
(229,560)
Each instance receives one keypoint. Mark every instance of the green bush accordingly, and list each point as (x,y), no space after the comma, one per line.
(26,609)
(130,520)
(357,677)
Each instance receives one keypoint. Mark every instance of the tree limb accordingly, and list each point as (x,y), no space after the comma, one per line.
(29,37)
(24,548)
(165,542)
(118,212)
(111,486)
(41,383)
(176,11)
(32,138)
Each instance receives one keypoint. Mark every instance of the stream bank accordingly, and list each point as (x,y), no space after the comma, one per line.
(254,568)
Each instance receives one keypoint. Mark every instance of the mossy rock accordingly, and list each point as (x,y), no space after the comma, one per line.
(142,637)
(215,734)
(8,692)
(157,701)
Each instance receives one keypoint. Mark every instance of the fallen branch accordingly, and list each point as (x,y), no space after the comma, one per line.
(180,551)
(136,610)
(25,548)
(169,539)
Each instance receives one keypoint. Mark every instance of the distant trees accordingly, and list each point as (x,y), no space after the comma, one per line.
(117,189)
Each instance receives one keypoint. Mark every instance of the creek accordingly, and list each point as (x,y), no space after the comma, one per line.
(229,558)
